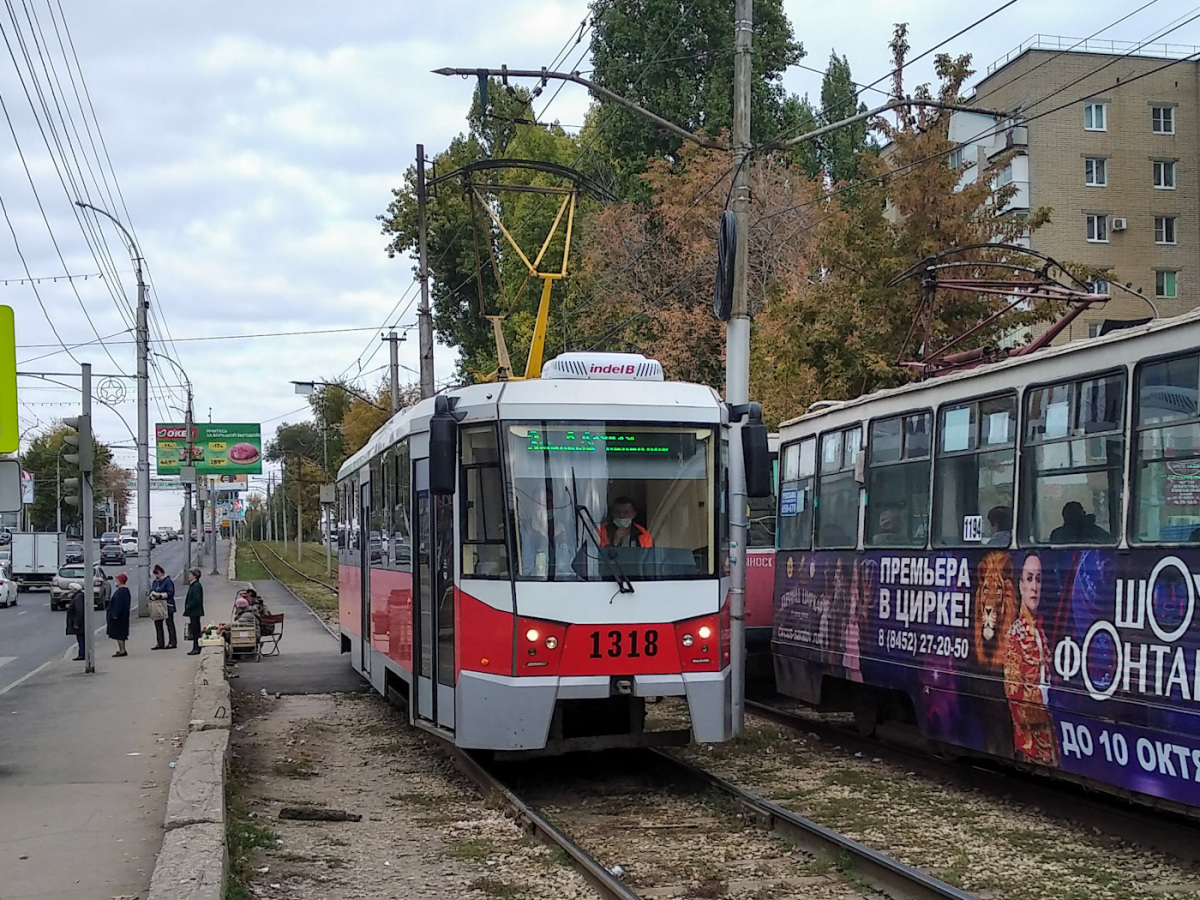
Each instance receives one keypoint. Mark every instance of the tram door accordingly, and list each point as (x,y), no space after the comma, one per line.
(364,566)
(433,602)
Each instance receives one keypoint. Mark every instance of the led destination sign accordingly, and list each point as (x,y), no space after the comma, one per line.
(587,441)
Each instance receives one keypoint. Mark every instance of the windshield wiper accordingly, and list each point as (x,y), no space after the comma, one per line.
(584,515)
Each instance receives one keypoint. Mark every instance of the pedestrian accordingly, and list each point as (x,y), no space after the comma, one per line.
(75,617)
(118,614)
(163,589)
(193,608)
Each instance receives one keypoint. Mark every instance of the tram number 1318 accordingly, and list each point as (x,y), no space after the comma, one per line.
(630,644)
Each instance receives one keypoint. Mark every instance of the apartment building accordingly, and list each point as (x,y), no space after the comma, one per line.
(1108,137)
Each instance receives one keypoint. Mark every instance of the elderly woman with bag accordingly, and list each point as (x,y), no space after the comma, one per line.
(75,618)
(162,608)
(193,608)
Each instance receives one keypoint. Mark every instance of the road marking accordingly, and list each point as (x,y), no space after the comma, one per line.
(23,612)
(8,687)
(6,659)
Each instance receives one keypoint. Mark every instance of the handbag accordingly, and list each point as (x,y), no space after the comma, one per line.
(157,607)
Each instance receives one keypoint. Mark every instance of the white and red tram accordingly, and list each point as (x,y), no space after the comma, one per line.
(476,581)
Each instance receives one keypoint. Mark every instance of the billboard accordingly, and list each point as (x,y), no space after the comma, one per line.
(217,449)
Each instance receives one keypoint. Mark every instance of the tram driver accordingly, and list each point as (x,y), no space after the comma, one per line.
(620,529)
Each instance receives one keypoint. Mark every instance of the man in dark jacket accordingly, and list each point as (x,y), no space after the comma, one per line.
(193,608)
(75,617)
(118,614)
(164,587)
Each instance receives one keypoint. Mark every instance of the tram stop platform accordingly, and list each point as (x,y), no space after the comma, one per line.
(310,660)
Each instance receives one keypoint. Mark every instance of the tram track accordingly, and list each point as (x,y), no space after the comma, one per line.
(569,803)
(253,549)
(1165,830)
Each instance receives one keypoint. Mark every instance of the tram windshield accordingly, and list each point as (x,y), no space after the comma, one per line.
(602,501)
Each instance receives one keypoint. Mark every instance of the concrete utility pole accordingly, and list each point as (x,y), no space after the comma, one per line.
(142,573)
(216,523)
(187,485)
(424,317)
(737,354)
(393,371)
(299,504)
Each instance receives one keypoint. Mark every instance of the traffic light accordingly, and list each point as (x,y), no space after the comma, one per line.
(82,458)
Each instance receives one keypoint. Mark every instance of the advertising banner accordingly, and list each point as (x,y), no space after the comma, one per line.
(1086,660)
(10,431)
(216,449)
(26,487)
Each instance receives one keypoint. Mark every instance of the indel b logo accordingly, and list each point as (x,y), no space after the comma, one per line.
(612,369)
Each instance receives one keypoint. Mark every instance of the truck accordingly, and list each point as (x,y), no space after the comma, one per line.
(35,558)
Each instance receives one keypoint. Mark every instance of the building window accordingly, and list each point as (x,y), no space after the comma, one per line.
(1095,117)
(1164,174)
(1097,287)
(1097,229)
(1095,172)
(1162,119)
(1165,284)
(1004,176)
(1164,229)
(956,158)
(1094,329)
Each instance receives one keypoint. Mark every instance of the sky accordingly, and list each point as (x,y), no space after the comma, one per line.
(251,146)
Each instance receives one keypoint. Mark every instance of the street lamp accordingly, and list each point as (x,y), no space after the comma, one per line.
(308,388)
(142,581)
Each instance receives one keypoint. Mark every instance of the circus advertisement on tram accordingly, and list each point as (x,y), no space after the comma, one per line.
(1084,660)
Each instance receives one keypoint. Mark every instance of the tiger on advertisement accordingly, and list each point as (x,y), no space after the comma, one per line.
(995,608)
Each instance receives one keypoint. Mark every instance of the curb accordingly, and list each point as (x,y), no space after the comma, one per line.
(193,862)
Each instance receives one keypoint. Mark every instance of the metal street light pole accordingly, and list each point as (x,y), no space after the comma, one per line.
(142,575)
(424,317)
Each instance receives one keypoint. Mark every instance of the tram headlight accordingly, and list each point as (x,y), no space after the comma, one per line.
(551,642)
(531,635)
(705,632)
(688,640)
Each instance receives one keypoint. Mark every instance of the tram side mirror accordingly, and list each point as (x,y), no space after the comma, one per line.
(443,454)
(757,455)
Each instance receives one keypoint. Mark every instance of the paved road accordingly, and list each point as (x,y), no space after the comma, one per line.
(31,635)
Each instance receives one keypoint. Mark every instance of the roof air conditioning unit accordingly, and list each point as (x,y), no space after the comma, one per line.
(1119,223)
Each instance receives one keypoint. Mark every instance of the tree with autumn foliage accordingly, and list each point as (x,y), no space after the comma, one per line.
(647,279)
(847,332)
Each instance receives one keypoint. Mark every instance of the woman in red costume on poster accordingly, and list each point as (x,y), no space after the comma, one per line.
(1027,672)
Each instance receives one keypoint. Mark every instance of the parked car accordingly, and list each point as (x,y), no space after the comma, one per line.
(112,555)
(129,545)
(73,553)
(60,593)
(8,586)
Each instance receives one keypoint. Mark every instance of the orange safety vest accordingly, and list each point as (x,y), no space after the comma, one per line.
(642,535)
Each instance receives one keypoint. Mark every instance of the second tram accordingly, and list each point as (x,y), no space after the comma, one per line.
(1007,559)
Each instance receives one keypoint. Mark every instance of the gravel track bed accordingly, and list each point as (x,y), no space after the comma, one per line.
(672,841)
(424,833)
(989,846)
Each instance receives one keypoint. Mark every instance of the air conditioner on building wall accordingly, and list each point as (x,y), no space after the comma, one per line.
(1119,223)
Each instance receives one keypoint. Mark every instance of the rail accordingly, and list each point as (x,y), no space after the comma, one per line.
(605,883)
(1163,827)
(882,872)
(316,581)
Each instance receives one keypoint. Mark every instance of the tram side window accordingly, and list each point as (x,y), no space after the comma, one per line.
(974,475)
(378,511)
(484,554)
(761,520)
(837,491)
(797,466)
(1166,481)
(401,482)
(1073,458)
(898,482)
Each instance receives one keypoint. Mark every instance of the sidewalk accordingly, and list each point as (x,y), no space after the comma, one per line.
(85,763)
(310,660)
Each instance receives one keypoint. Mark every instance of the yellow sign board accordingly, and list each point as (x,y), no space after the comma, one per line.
(10,433)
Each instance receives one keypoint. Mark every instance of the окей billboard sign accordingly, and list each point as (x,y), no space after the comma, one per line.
(216,449)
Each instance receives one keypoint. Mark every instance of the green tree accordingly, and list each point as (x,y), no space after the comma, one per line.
(475,272)
(41,458)
(678,63)
(840,152)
